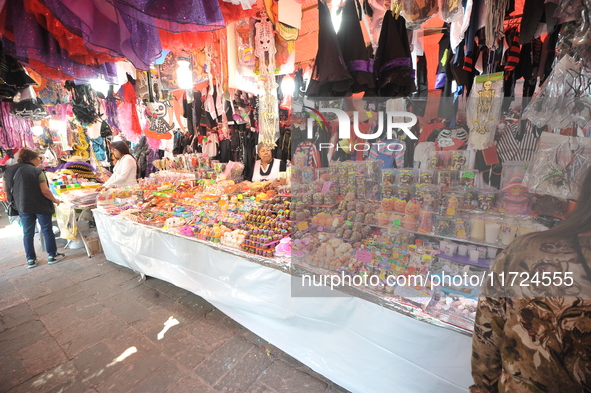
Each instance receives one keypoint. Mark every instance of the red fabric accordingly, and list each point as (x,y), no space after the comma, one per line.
(458,143)
(490,155)
(129,97)
(48,72)
(428,130)
(233,13)
(178,42)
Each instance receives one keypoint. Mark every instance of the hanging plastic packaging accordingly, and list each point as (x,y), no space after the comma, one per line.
(417,12)
(484,109)
(559,170)
(563,100)
(450,9)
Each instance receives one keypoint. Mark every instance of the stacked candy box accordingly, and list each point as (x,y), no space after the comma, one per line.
(265,228)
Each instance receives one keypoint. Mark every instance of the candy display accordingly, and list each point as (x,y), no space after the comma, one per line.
(420,226)
(242,216)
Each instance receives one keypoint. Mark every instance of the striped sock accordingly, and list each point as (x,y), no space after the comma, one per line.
(513,53)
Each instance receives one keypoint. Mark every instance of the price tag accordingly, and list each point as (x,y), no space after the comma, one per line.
(363,256)
(302,226)
(397,221)
(240,196)
(369,115)
(469,175)
(326,187)
(202,213)
(348,223)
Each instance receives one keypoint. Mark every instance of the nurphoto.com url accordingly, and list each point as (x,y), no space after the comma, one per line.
(429,280)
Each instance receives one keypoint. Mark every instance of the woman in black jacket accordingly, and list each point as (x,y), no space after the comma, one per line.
(30,194)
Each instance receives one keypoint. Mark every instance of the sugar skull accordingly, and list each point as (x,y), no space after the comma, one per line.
(426,178)
(404,193)
(486,202)
(406,178)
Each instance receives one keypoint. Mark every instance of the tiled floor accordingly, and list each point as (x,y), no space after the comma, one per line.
(88,325)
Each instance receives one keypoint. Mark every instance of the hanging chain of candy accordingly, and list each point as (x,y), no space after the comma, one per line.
(268,107)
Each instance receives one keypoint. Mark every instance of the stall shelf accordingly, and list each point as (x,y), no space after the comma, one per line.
(361,345)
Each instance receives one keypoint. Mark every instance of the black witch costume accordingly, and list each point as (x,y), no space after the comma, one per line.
(330,77)
(393,64)
(355,53)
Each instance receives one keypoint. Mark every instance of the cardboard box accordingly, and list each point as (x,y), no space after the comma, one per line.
(94,246)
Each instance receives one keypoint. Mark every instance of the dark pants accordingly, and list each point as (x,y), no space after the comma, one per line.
(45,222)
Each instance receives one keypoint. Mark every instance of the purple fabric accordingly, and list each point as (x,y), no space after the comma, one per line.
(111,113)
(360,65)
(440,81)
(129,28)
(15,133)
(66,165)
(106,30)
(174,15)
(400,62)
(40,45)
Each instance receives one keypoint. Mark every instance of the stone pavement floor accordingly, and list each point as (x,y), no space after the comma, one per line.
(88,325)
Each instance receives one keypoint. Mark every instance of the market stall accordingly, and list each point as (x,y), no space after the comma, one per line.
(360,345)
(419,140)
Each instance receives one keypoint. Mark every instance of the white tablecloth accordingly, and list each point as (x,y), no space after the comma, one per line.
(358,344)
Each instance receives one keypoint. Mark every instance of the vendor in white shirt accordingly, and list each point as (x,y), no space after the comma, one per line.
(267,168)
(125,170)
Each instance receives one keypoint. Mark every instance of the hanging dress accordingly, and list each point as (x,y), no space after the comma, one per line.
(330,77)
(393,63)
(354,51)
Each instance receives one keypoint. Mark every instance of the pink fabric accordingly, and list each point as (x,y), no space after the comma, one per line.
(15,133)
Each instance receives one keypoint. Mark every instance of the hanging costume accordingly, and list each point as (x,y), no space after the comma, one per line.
(330,77)
(355,54)
(393,64)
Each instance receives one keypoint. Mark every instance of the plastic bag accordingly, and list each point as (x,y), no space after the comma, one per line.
(417,12)
(561,101)
(558,171)
(49,158)
(450,10)
(66,221)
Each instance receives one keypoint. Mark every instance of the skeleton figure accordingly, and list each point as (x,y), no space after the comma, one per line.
(486,202)
(484,107)
(156,112)
(265,51)
(444,139)
(265,46)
